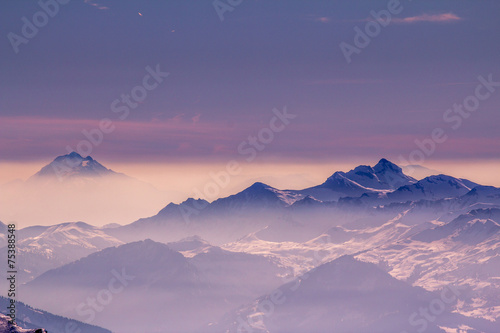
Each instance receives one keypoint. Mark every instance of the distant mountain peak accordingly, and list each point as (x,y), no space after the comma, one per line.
(385,164)
(73,165)
(258,186)
(385,175)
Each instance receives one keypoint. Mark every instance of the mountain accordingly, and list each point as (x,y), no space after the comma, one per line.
(344,295)
(223,220)
(480,194)
(384,176)
(145,273)
(73,165)
(432,188)
(31,318)
(471,228)
(51,247)
(190,246)
(195,290)
(258,196)
(7,327)
(224,255)
(464,251)
(75,188)
(260,206)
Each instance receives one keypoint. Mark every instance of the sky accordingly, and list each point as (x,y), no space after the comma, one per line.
(264,82)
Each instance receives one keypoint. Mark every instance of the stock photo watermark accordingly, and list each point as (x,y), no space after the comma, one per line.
(223,6)
(121,106)
(266,307)
(30,27)
(249,149)
(104,297)
(373,27)
(420,320)
(453,116)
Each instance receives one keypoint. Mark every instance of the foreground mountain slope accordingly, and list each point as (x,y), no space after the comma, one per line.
(29,317)
(176,294)
(344,295)
(7,327)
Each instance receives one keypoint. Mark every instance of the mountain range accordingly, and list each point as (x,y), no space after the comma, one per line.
(363,251)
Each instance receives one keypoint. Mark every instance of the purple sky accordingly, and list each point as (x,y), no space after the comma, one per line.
(227,76)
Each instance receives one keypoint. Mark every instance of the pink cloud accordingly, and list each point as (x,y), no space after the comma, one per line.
(342,81)
(323,19)
(196,118)
(315,18)
(439,18)
(95,4)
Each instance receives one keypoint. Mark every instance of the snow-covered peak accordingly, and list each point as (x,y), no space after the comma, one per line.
(307,201)
(385,175)
(432,188)
(73,165)
(259,194)
(484,192)
(451,181)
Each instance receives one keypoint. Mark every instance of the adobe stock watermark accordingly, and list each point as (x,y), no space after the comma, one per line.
(223,6)
(104,297)
(122,107)
(453,116)
(30,28)
(249,149)
(266,307)
(420,320)
(372,29)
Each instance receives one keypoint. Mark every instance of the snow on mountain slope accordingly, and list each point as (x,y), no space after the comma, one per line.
(257,196)
(7,327)
(58,245)
(464,252)
(344,295)
(384,176)
(28,317)
(432,188)
(480,194)
(329,245)
(471,228)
